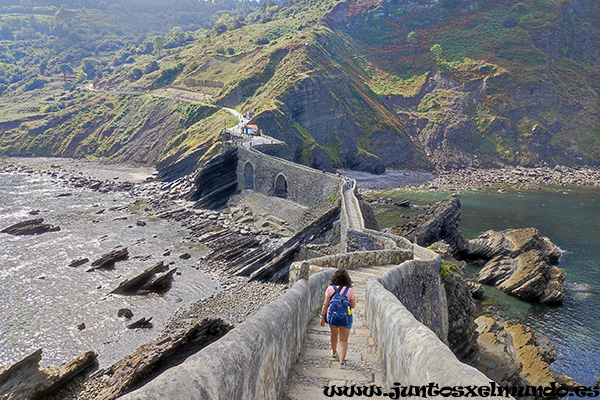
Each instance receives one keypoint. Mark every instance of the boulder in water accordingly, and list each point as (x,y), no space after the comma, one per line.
(30,227)
(108,260)
(157,278)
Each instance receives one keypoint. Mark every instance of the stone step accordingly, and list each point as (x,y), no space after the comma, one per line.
(352,339)
(334,373)
(350,355)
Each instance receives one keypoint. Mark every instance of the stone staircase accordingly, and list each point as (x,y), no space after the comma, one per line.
(316,368)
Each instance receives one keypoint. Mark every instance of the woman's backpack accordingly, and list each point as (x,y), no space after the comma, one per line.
(340,313)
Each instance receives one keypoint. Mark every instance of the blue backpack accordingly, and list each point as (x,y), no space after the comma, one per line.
(340,313)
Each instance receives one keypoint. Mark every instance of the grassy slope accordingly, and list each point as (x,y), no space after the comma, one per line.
(540,93)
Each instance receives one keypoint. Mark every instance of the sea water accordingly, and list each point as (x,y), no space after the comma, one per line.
(570,217)
(43,300)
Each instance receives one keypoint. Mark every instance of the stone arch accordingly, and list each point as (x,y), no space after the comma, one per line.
(249,175)
(281,186)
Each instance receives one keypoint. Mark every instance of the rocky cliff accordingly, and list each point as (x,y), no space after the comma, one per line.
(441,222)
(520,262)
(216,182)
(462,334)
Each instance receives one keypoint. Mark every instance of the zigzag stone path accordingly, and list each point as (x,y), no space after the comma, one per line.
(316,368)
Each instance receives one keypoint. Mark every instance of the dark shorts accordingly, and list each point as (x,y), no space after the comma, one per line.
(346,326)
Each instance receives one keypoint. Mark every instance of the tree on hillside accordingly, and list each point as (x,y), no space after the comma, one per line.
(81,76)
(88,65)
(65,69)
(412,39)
(437,52)
(158,44)
(43,65)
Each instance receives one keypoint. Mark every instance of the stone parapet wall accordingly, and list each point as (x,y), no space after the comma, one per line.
(306,186)
(356,241)
(303,269)
(400,242)
(250,362)
(414,352)
(417,284)
(344,222)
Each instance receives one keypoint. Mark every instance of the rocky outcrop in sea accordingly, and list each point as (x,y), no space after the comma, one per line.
(520,262)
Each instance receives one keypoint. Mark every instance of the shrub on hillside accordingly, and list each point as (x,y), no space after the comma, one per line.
(135,74)
(151,67)
(35,83)
(168,75)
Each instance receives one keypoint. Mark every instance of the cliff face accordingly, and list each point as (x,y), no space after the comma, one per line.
(216,182)
(462,334)
(519,106)
(440,222)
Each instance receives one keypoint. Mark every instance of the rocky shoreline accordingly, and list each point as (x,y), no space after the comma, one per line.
(470,178)
(513,177)
(238,299)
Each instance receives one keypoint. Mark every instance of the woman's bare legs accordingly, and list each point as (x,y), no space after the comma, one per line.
(344,333)
(334,338)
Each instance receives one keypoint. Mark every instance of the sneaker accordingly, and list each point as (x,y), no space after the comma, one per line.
(342,366)
(335,355)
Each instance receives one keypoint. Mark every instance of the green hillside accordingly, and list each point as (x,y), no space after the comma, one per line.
(365,84)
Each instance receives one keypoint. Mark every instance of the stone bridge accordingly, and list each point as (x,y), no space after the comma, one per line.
(401,313)
(275,176)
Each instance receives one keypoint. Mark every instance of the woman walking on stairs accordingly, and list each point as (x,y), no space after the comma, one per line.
(337,312)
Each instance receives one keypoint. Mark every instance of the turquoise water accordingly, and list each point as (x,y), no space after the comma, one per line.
(571,219)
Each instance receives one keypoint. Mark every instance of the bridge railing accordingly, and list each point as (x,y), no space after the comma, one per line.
(253,360)
(304,269)
(411,352)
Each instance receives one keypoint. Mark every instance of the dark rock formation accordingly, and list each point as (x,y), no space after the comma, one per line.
(157,278)
(151,359)
(440,222)
(368,215)
(108,260)
(462,334)
(476,289)
(125,312)
(368,163)
(78,262)
(521,264)
(141,323)
(30,227)
(25,379)
(216,182)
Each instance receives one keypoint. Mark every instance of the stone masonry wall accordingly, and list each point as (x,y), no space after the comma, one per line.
(410,352)
(303,269)
(306,186)
(253,360)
